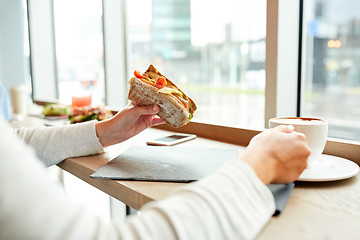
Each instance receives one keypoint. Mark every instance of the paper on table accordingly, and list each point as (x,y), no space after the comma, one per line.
(173,164)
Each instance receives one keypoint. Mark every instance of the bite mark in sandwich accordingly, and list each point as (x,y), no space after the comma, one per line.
(151,87)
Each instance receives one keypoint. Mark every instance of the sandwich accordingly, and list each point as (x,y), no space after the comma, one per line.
(151,87)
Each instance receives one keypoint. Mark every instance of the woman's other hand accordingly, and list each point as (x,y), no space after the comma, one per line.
(278,155)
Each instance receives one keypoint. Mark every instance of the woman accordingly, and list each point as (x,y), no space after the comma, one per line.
(232,203)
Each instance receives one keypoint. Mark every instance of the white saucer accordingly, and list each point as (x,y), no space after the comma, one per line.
(329,168)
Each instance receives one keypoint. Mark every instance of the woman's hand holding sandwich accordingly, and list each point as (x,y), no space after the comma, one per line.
(127,123)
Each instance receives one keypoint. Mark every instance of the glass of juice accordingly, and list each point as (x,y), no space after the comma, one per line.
(81,100)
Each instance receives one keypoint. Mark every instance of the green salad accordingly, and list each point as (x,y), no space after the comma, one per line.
(56,109)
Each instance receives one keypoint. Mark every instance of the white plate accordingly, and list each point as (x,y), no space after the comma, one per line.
(56,117)
(329,168)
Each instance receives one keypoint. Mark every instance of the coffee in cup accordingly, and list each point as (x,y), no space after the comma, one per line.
(314,129)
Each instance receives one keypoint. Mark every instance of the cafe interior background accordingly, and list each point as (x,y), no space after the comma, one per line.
(242,61)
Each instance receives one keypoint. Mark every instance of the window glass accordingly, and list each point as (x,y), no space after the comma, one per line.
(332,65)
(214,50)
(80,66)
(79,49)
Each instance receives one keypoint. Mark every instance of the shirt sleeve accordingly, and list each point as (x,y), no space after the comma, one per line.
(229,204)
(232,203)
(54,144)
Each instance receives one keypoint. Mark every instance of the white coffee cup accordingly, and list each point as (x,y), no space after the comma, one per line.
(314,129)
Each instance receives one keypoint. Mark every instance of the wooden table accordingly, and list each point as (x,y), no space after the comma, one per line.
(327,210)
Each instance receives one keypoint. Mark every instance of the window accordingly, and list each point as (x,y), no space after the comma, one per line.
(216,55)
(80,70)
(79,49)
(332,65)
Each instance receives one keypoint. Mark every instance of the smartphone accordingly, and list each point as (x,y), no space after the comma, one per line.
(171,139)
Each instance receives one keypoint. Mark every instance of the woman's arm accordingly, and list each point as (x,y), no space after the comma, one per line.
(230,204)
(54,144)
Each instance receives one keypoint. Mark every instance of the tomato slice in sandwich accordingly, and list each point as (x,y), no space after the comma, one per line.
(161,81)
(139,74)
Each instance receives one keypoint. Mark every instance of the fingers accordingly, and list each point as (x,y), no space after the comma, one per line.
(290,129)
(300,136)
(281,128)
(285,128)
(144,110)
(157,121)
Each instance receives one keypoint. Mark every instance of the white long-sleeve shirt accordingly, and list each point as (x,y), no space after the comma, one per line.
(232,203)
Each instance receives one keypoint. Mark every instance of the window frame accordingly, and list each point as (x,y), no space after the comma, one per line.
(44,75)
(282,59)
(116,49)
